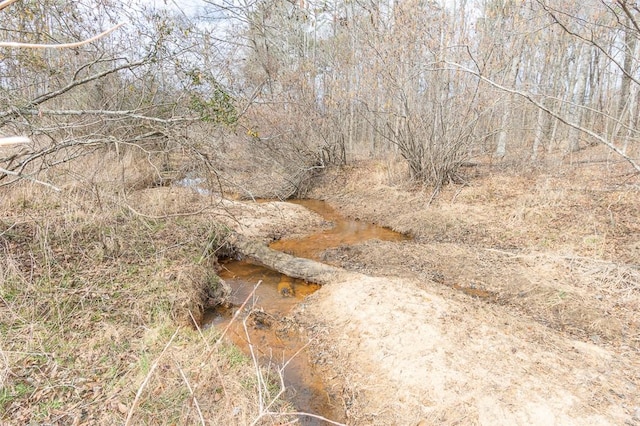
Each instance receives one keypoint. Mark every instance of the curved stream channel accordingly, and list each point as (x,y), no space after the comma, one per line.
(275,298)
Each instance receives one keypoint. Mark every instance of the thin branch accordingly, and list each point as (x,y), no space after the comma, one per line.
(529,97)
(21,176)
(632,19)
(59,45)
(123,113)
(590,41)
(92,63)
(616,120)
(6,3)
(14,112)
(18,169)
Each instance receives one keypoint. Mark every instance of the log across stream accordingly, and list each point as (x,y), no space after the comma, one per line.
(294,272)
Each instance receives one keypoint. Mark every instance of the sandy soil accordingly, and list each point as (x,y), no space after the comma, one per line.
(407,355)
(516,303)
(266,221)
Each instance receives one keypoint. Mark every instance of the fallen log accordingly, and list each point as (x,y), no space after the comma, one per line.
(296,267)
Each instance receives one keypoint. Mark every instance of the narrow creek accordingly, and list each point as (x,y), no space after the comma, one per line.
(275,298)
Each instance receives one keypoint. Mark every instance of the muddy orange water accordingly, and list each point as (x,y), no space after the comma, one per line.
(274,299)
(344,232)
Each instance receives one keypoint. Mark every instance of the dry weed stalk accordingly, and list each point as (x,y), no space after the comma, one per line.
(197,326)
(237,313)
(147,378)
(265,404)
(191,392)
(4,368)
(265,411)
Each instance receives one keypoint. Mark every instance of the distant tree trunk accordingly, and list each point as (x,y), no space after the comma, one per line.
(632,120)
(629,52)
(539,133)
(627,106)
(577,110)
(501,146)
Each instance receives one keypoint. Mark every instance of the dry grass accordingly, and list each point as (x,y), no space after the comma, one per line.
(560,246)
(100,284)
(98,303)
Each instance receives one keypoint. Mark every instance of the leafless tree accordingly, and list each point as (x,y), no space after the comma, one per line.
(72,92)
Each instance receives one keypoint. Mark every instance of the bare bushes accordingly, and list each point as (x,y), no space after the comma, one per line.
(288,145)
(435,144)
(109,97)
(432,126)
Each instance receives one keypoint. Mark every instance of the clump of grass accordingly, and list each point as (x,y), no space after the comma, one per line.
(100,307)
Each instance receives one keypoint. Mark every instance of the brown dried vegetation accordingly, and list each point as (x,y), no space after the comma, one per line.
(100,294)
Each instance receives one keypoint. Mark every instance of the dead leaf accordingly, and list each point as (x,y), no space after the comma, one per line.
(122,408)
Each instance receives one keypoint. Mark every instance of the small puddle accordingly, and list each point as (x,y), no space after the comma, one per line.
(274,299)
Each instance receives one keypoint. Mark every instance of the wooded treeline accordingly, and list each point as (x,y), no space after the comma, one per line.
(311,83)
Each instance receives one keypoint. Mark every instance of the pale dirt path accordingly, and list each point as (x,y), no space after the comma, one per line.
(407,355)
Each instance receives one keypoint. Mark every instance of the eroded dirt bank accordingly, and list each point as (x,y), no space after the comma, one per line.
(553,339)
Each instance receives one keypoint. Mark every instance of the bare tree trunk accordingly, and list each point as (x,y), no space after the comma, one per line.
(632,107)
(539,133)
(501,148)
(629,51)
(576,110)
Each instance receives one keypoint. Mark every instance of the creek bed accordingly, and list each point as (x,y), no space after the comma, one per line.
(276,338)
